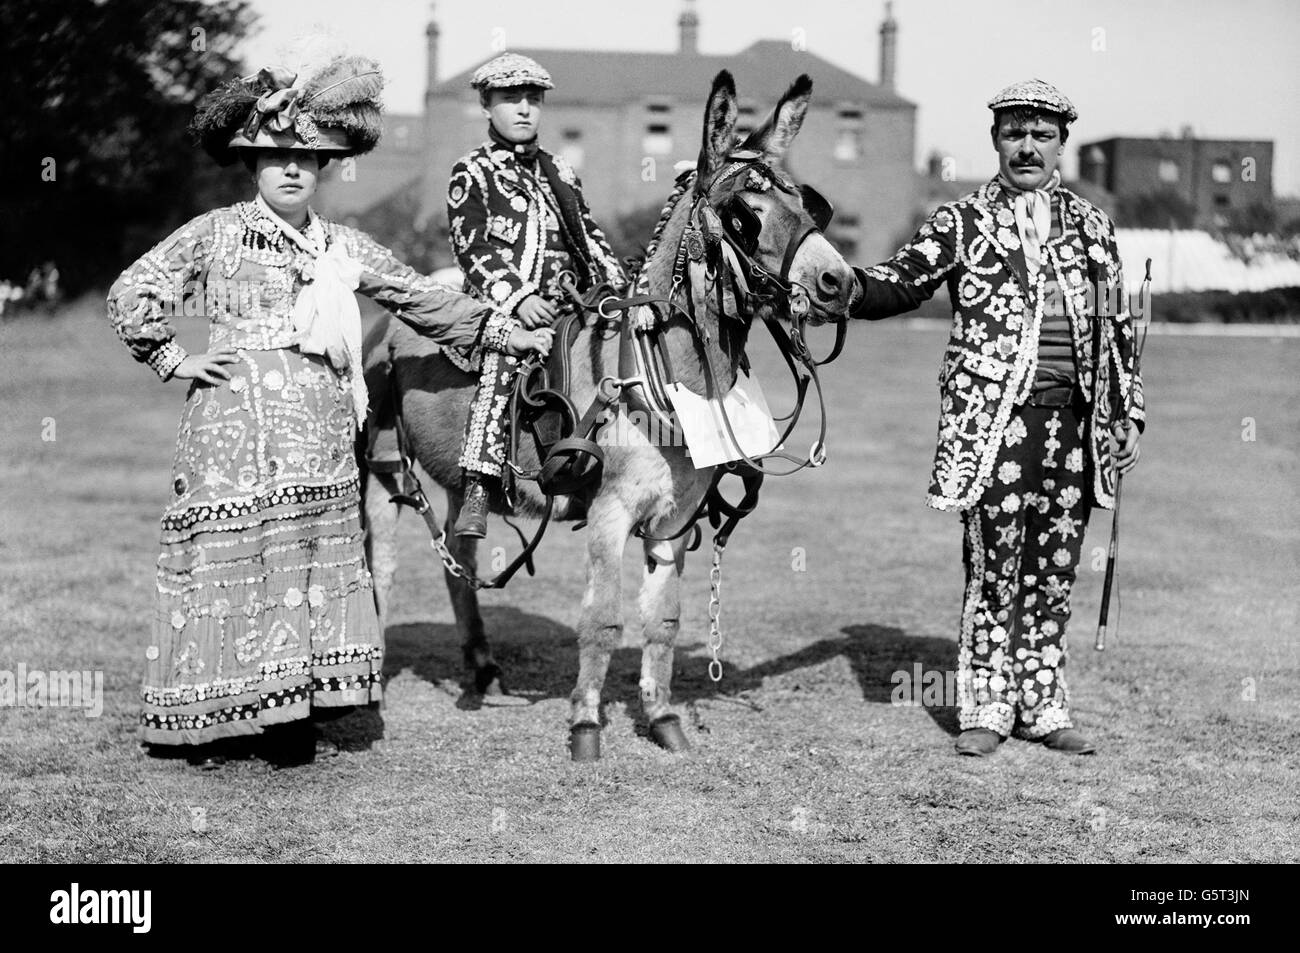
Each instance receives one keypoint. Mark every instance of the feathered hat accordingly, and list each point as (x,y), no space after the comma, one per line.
(321,99)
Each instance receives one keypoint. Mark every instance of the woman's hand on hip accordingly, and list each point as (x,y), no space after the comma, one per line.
(208,368)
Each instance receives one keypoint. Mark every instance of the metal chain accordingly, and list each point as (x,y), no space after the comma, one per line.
(452,566)
(715,614)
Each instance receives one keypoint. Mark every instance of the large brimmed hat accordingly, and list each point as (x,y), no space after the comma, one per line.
(1034,94)
(331,106)
(509,70)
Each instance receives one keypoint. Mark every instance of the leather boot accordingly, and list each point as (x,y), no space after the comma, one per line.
(1069,741)
(472,520)
(978,742)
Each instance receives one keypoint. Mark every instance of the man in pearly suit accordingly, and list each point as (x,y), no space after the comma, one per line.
(1040,406)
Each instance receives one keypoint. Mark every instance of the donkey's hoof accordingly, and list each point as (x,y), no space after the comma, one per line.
(584,741)
(488,680)
(667,734)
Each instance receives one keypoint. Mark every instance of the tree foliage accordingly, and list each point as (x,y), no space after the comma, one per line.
(1258,218)
(630,232)
(1163,209)
(96,163)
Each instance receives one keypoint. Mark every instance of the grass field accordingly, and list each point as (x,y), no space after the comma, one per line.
(799,754)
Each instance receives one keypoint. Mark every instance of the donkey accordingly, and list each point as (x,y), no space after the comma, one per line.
(644,485)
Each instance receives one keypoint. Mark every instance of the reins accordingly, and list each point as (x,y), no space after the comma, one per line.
(572,464)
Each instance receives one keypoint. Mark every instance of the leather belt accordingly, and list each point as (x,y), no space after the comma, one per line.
(1055,397)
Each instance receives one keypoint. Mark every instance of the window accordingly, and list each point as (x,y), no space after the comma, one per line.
(657,140)
(848,145)
(848,135)
(844,234)
(1221,172)
(1168,170)
(573,154)
(572,149)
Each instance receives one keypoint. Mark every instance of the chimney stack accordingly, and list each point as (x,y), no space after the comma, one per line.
(888,47)
(431,33)
(688,29)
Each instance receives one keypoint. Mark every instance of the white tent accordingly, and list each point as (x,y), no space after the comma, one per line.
(1197,261)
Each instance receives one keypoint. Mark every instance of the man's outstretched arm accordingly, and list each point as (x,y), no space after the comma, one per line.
(914,273)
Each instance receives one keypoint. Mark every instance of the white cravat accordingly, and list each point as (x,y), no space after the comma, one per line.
(1033,211)
(325,315)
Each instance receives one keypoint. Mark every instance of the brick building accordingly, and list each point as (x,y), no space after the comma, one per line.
(1215,177)
(623,119)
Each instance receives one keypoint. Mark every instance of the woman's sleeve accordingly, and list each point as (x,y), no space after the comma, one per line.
(147,293)
(448,317)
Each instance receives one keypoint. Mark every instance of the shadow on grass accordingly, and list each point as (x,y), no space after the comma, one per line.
(290,745)
(540,659)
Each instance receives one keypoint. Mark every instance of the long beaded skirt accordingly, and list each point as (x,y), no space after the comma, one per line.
(265,606)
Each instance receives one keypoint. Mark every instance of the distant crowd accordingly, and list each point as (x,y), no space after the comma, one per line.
(1252,248)
(39,292)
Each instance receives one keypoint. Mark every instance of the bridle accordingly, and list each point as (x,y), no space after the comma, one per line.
(740,228)
(717,251)
(718,247)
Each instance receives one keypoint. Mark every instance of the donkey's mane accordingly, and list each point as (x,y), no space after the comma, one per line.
(641,280)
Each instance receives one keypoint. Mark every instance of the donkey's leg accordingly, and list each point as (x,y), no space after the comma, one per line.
(381,536)
(600,624)
(660,605)
(464,603)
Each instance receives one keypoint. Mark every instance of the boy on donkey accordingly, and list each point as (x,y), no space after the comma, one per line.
(518,222)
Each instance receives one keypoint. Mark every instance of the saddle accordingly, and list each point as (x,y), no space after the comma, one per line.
(541,408)
(570,460)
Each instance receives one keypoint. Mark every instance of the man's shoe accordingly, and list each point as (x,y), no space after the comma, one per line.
(472,520)
(1069,740)
(978,742)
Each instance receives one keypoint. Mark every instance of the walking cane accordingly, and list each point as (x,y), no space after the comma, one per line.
(1112,552)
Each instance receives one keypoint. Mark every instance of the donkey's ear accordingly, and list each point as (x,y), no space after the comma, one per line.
(773,138)
(719,125)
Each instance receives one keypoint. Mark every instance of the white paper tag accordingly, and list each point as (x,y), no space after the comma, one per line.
(706,432)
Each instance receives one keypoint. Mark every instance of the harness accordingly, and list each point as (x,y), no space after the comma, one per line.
(730,226)
(715,258)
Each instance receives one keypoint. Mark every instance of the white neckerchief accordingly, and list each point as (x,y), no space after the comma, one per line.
(1033,211)
(326,318)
